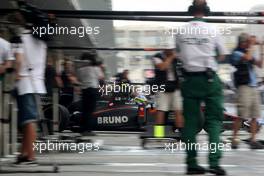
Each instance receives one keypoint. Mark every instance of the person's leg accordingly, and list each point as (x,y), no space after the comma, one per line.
(160,120)
(29,137)
(256,113)
(28,113)
(87,109)
(162,100)
(213,126)
(236,127)
(89,106)
(253,129)
(179,120)
(191,113)
(84,110)
(192,89)
(21,112)
(214,113)
(243,109)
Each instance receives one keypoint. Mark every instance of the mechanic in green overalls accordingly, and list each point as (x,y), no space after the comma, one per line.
(197,44)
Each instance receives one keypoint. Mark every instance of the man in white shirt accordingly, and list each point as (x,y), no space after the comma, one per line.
(89,75)
(197,50)
(30,54)
(170,99)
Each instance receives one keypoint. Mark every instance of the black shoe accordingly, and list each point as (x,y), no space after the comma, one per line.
(24,161)
(197,170)
(234,146)
(256,145)
(217,170)
(88,133)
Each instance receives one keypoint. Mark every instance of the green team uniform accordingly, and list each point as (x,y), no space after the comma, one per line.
(197,52)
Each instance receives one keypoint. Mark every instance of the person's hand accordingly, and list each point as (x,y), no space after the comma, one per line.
(174,55)
(248,55)
(171,54)
(251,43)
(18,77)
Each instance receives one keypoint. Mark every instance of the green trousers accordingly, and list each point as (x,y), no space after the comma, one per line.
(197,89)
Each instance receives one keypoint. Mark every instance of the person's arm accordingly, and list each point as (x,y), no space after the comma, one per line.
(100,73)
(248,56)
(58,81)
(73,79)
(166,63)
(57,78)
(259,58)
(222,51)
(18,63)
(71,75)
(17,50)
(7,64)
(237,57)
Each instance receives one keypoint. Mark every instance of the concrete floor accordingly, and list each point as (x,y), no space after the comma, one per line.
(121,154)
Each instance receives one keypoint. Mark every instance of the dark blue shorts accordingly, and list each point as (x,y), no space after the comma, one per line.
(27,109)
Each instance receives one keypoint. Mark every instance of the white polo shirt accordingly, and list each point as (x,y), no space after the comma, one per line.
(5,51)
(89,76)
(34,57)
(197,44)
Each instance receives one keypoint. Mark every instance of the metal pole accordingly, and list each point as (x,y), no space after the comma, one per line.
(157,19)
(13,116)
(55,96)
(103,49)
(55,102)
(168,19)
(6,125)
(14,111)
(162,19)
(10,120)
(1,116)
(64,13)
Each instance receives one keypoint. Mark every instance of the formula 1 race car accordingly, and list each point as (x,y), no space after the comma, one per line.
(118,115)
(131,116)
(122,113)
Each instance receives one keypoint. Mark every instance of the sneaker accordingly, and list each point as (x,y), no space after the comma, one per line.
(256,145)
(177,132)
(23,161)
(217,170)
(197,170)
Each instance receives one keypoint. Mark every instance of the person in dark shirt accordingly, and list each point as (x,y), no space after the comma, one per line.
(69,80)
(52,79)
